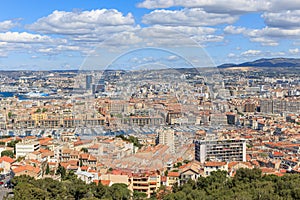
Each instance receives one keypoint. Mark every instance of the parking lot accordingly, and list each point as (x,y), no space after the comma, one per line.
(4,190)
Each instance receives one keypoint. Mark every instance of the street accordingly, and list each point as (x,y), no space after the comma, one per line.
(4,191)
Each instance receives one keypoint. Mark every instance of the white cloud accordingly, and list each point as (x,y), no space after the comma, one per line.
(24,37)
(190,26)
(178,35)
(294,51)
(231,55)
(202,39)
(272,54)
(3,44)
(281,17)
(3,53)
(276,32)
(264,41)
(67,48)
(57,49)
(280,5)
(157,36)
(251,52)
(34,43)
(214,6)
(151,4)
(187,31)
(122,39)
(285,19)
(267,36)
(228,6)
(259,53)
(45,50)
(187,17)
(254,35)
(86,30)
(234,30)
(62,22)
(7,25)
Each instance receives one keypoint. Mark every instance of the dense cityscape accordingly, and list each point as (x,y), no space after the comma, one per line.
(149,129)
(149,99)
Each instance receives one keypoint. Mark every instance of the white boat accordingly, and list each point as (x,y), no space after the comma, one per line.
(36,94)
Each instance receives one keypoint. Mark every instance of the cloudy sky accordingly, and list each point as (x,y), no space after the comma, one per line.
(56,34)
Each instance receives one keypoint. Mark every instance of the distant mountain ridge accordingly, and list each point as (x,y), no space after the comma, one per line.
(267,62)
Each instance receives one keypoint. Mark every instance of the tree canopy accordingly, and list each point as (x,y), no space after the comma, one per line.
(131,139)
(7,153)
(70,187)
(247,184)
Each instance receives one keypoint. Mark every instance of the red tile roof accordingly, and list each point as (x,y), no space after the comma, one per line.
(84,168)
(214,164)
(26,168)
(173,174)
(105,182)
(7,159)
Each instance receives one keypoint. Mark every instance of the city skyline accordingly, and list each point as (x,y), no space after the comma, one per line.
(52,35)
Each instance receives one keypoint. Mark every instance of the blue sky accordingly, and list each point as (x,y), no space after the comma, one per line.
(72,34)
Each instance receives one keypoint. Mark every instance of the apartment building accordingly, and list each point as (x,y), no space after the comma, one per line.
(220,150)
(166,137)
(145,182)
(280,105)
(26,146)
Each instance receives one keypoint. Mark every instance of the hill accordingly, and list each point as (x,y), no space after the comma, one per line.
(267,62)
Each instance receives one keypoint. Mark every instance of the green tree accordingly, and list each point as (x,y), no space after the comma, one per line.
(166,173)
(99,191)
(9,114)
(296,193)
(13,144)
(131,139)
(55,189)
(47,169)
(247,175)
(175,187)
(186,161)
(26,191)
(21,158)
(162,192)
(70,176)
(85,150)
(139,195)
(22,179)
(7,153)
(61,171)
(77,188)
(119,191)
(178,164)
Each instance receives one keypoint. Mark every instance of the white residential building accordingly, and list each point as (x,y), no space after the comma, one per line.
(210,167)
(220,150)
(25,147)
(166,137)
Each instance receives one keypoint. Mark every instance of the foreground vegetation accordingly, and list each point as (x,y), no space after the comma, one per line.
(247,184)
(27,188)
